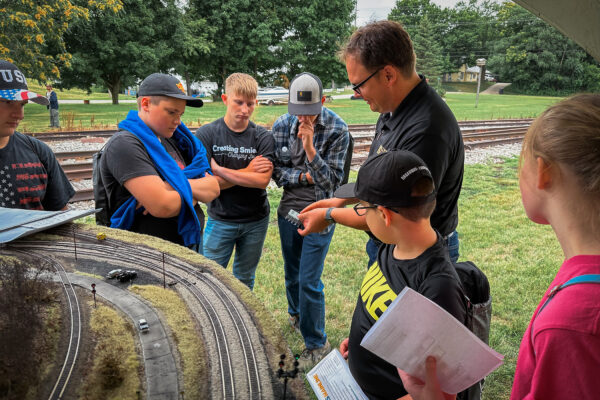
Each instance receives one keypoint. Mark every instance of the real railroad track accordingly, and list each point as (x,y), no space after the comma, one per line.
(238,363)
(475,134)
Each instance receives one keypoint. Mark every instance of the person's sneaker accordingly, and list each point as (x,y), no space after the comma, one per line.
(294,321)
(310,357)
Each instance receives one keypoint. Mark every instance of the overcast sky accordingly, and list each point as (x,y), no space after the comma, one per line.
(375,10)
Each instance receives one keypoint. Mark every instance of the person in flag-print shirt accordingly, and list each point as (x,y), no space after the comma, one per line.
(30,176)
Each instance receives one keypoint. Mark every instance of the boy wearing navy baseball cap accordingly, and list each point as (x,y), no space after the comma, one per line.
(30,176)
(397,197)
(154,171)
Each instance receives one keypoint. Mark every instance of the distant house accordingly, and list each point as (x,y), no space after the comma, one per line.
(464,74)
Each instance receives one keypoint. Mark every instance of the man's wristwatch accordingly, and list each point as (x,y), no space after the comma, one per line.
(328,216)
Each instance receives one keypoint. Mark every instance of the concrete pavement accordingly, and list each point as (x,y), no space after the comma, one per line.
(159,363)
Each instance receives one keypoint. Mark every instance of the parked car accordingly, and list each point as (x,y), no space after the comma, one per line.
(114,273)
(143,325)
(127,276)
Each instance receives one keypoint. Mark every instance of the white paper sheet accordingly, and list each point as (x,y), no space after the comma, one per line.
(414,327)
(331,379)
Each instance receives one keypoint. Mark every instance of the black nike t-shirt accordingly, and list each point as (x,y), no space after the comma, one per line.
(432,275)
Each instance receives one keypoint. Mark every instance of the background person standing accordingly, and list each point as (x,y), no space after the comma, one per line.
(53,107)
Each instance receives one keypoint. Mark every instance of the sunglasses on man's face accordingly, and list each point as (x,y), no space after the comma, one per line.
(356,87)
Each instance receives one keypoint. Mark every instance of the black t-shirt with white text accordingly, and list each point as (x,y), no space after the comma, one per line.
(432,275)
(235,150)
(30,176)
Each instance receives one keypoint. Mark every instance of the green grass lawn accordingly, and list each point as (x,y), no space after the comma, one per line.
(100,116)
(519,258)
(73,94)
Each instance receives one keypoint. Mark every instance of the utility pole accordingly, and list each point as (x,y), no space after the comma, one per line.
(480,63)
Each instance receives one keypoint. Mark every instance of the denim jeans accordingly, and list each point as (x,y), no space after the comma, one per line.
(303,259)
(247,237)
(452,244)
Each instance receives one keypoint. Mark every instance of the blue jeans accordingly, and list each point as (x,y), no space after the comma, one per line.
(452,244)
(248,238)
(303,259)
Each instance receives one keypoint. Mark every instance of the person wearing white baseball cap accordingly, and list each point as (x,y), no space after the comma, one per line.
(30,176)
(311,144)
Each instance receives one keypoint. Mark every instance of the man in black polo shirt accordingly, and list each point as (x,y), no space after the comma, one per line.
(380,62)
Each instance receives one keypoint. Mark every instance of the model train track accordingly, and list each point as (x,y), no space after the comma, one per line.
(64,376)
(232,337)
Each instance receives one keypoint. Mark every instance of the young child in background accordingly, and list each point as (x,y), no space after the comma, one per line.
(559,179)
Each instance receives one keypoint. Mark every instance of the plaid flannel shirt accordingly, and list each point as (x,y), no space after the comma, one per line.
(330,139)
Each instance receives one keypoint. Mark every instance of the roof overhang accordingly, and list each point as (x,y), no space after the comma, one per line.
(577,19)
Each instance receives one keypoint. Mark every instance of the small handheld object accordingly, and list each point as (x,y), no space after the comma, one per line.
(293,218)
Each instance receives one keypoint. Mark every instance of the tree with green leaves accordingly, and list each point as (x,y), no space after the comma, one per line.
(316,29)
(191,46)
(470,32)
(31,32)
(428,50)
(537,58)
(120,49)
(410,13)
(245,35)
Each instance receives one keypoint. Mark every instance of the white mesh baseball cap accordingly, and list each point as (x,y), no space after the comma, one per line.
(306,91)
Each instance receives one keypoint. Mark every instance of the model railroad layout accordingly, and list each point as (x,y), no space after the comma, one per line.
(78,166)
(242,360)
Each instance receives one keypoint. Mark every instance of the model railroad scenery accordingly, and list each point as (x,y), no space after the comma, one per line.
(92,314)
(476,134)
(108,313)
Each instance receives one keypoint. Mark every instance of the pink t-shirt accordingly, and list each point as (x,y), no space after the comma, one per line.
(564,363)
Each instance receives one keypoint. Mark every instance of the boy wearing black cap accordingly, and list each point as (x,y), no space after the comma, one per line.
(30,176)
(397,197)
(155,171)
(311,143)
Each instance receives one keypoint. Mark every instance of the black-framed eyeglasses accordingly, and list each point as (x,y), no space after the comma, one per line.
(362,210)
(356,87)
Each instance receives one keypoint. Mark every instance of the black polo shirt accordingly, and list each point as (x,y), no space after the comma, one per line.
(424,124)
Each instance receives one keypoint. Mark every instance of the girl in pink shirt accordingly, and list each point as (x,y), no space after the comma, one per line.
(559,357)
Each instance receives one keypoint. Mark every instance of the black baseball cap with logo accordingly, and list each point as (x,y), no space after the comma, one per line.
(166,85)
(388,179)
(13,85)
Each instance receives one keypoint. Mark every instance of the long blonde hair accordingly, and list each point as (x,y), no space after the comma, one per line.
(568,133)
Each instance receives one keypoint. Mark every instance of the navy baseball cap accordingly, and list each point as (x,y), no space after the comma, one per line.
(166,85)
(388,179)
(13,85)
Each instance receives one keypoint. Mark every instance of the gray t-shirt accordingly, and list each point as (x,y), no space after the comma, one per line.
(297,197)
